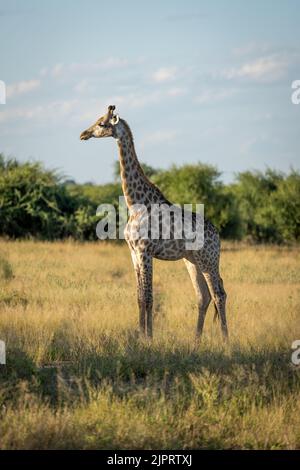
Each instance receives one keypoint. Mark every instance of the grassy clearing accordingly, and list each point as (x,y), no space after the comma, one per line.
(79,376)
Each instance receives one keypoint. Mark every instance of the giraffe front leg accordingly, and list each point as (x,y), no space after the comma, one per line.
(145,295)
(142,310)
(142,313)
(143,270)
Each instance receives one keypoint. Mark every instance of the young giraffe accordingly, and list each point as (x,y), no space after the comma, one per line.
(202,264)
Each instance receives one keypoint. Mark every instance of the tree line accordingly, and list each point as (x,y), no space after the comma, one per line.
(257,206)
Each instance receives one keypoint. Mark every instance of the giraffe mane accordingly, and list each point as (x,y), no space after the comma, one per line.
(125,123)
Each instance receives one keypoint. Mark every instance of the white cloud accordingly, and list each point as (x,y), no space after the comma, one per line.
(248,145)
(164,74)
(268,68)
(78,110)
(213,96)
(162,136)
(252,48)
(22,87)
(140,99)
(135,100)
(44,71)
(114,62)
(108,63)
(57,70)
(52,110)
(82,86)
(177,91)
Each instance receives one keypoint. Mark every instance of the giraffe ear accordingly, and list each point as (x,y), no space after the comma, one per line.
(115,119)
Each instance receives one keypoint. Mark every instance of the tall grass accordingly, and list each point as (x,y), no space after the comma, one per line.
(79,376)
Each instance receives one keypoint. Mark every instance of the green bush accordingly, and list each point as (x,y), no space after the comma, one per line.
(269,205)
(263,207)
(33,202)
(200,184)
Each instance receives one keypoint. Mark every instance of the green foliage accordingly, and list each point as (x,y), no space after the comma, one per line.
(286,202)
(269,205)
(262,207)
(96,195)
(91,196)
(199,184)
(33,202)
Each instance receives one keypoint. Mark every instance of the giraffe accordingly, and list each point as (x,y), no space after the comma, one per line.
(202,264)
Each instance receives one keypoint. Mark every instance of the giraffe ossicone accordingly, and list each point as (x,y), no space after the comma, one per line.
(202,263)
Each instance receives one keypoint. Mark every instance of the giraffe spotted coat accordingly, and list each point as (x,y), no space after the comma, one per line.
(202,264)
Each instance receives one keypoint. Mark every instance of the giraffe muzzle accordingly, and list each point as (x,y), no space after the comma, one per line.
(85,135)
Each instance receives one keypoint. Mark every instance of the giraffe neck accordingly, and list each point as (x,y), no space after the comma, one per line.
(136,186)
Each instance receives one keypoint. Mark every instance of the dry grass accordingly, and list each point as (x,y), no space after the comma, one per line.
(79,376)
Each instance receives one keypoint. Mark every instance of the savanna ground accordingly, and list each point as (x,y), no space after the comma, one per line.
(78,375)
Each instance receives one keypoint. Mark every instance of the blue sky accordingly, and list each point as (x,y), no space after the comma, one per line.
(205,81)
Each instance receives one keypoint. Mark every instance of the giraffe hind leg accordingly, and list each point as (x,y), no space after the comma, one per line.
(217,291)
(216,314)
(202,293)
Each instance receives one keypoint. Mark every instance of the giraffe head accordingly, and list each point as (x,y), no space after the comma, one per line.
(106,126)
